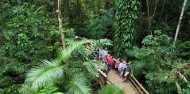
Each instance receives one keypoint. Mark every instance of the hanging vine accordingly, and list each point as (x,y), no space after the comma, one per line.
(126,14)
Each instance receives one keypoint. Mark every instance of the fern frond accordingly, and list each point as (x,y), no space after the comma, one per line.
(78,85)
(58,93)
(49,89)
(66,54)
(111,89)
(25,89)
(92,67)
(46,73)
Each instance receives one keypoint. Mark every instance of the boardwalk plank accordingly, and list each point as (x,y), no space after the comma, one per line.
(116,79)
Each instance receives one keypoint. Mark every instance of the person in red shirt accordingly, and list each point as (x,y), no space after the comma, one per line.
(110,62)
(107,58)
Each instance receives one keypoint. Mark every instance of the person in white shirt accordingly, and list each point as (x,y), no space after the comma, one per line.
(100,54)
(121,68)
(104,52)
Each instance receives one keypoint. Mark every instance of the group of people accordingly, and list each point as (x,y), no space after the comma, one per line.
(121,66)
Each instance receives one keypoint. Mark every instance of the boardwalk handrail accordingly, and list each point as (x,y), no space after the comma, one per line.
(103,77)
(103,81)
(101,73)
(139,87)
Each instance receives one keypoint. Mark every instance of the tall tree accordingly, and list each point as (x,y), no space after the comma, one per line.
(78,8)
(66,9)
(60,23)
(126,14)
(149,14)
(180,19)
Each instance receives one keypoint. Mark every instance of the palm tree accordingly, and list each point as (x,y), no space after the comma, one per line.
(72,71)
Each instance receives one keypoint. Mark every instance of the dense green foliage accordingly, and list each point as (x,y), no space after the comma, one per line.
(100,26)
(126,14)
(111,89)
(26,38)
(22,34)
(32,60)
(159,63)
(73,71)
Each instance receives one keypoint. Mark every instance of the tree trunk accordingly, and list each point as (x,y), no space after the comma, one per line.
(46,9)
(60,23)
(180,19)
(149,18)
(78,9)
(162,9)
(107,5)
(66,9)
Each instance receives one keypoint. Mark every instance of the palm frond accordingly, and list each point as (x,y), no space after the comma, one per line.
(46,73)
(111,89)
(70,41)
(78,85)
(58,93)
(66,54)
(49,89)
(84,52)
(92,67)
(102,42)
(25,89)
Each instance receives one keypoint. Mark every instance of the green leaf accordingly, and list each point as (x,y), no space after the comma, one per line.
(44,74)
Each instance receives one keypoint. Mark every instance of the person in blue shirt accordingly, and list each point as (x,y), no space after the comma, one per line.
(121,68)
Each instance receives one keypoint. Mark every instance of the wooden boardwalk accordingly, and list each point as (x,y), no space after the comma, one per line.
(131,86)
(114,78)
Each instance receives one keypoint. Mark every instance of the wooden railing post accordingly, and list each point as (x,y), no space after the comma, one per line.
(102,78)
(138,86)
